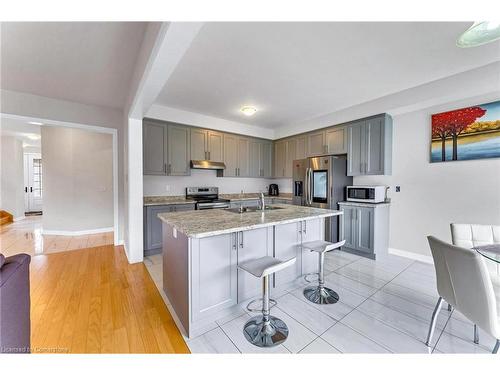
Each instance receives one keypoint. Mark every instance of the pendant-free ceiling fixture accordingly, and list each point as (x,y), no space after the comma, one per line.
(479,33)
(248,110)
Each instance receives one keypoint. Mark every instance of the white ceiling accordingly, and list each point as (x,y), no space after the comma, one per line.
(296,71)
(85,62)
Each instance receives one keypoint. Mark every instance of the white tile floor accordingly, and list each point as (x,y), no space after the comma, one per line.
(385,307)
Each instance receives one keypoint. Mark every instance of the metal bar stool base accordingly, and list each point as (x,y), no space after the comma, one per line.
(321,295)
(265,334)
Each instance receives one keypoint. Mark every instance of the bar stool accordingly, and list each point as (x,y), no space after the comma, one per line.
(320,294)
(265,330)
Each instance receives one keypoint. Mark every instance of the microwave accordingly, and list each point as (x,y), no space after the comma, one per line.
(368,194)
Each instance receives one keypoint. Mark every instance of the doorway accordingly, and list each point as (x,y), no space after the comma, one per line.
(33,191)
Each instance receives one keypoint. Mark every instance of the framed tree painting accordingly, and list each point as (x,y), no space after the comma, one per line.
(466,133)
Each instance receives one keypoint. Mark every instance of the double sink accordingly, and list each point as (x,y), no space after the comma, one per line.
(242,210)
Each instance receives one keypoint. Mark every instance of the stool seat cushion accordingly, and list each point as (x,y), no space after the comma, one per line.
(264,266)
(322,246)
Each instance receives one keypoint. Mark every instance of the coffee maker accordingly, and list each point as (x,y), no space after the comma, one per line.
(273,190)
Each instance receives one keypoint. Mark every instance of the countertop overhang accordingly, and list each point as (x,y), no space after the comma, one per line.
(206,223)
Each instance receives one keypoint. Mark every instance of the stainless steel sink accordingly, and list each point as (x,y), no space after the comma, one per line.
(242,210)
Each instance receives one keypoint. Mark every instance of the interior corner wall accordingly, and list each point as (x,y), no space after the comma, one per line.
(12,176)
(77,180)
(433,195)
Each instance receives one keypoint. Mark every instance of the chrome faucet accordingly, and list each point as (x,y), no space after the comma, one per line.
(262,202)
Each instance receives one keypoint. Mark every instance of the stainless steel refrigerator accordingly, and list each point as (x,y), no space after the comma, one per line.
(321,182)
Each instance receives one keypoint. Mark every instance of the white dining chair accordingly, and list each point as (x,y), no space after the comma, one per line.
(464,281)
(472,235)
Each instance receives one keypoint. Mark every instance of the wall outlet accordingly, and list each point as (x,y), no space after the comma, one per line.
(398,189)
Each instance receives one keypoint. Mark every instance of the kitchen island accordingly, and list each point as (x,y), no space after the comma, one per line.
(202,249)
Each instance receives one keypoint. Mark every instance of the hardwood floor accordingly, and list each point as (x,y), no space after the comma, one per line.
(25,236)
(93,301)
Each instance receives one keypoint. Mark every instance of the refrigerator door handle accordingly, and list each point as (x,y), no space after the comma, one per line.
(309,188)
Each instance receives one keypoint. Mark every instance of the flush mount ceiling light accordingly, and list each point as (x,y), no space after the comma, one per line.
(35,123)
(479,33)
(248,110)
(34,137)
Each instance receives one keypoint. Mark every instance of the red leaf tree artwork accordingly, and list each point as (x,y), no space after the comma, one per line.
(452,124)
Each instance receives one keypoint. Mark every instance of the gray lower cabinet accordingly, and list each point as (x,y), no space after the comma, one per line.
(365,229)
(153,225)
(369,147)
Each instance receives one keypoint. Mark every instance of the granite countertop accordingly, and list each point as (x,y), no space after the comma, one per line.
(181,199)
(205,223)
(364,204)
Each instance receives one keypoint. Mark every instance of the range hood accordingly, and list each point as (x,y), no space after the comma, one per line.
(207,164)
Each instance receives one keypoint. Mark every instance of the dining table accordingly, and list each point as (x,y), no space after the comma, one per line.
(490,252)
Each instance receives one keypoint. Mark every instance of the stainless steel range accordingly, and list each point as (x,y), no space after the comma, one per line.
(206,198)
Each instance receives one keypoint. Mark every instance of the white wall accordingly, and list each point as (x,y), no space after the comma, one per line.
(50,110)
(12,176)
(77,180)
(434,195)
(176,185)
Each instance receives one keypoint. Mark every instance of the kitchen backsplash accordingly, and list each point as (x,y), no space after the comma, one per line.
(175,185)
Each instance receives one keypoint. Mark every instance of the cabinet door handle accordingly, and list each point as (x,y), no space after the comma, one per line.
(165,168)
(235,240)
(25,189)
(241,240)
(208,155)
(169,169)
(305,226)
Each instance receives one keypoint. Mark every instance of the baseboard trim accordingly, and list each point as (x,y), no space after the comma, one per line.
(410,255)
(77,233)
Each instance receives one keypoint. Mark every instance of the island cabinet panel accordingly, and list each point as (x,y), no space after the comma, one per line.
(213,275)
(287,241)
(311,230)
(252,244)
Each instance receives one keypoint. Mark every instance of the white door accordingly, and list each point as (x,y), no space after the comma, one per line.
(33,182)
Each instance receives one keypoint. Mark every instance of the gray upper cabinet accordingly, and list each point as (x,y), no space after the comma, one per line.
(354,149)
(291,151)
(154,148)
(369,147)
(301,148)
(198,144)
(316,143)
(236,156)
(231,155)
(207,145)
(166,149)
(255,170)
(279,158)
(260,158)
(215,146)
(336,140)
(243,157)
(266,158)
(179,154)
